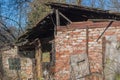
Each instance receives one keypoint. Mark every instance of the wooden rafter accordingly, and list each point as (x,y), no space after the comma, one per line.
(101,20)
(65,17)
(105,30)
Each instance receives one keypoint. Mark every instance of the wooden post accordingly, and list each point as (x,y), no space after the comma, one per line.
(57,17)
(87,45)
(87,39)
(103,55)
(38,57)
(53,52)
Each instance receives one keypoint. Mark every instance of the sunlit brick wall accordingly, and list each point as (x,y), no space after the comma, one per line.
(73,41)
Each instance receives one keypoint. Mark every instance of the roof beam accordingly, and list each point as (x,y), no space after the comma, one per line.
(105,30)
(101,20)
(65,17)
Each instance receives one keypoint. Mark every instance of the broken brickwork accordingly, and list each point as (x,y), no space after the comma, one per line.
(24,73)
(72,41)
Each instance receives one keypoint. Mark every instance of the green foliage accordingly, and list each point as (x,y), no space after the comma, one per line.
(38,11)
(108,61)
(46,57)
(117,77)
(40,78)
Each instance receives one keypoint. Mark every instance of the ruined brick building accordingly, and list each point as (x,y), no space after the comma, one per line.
(83,43)
(14,66)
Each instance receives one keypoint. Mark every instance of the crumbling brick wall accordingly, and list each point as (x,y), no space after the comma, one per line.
(73,41)
(24,73)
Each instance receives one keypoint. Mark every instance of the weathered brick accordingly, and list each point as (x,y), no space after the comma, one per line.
(26,64)
(73,41)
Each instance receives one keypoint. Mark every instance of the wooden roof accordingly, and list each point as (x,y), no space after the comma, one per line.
(45,28)
(77,13)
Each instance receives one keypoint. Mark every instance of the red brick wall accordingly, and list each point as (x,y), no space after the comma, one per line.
(67,43)
(73,41)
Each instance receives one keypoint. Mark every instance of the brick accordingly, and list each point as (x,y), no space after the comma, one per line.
(76,44)
(26,64)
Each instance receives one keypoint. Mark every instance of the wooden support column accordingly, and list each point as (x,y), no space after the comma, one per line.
(103,55)
(87,39)
(53,52)
(87,46)
(57,17)
(38,57)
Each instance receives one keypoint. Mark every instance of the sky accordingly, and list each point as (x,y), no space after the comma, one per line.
(11,12)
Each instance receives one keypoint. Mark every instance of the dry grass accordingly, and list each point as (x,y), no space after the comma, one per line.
(46,57)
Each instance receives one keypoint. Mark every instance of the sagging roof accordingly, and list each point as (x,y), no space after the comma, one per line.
(39,31)
(77,13)
(45,28)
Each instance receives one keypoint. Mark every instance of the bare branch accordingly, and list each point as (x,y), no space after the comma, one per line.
(13,21)
(3,36)
(7,30)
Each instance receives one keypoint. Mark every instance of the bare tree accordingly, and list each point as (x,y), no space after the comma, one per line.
(101,4)
(38,11)
(79,2)
(76,2)
(12,20)
(93,3)
(114,5)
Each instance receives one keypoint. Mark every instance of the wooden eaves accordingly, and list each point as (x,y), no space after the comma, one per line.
(67,13)
(30,31)
(80,10)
